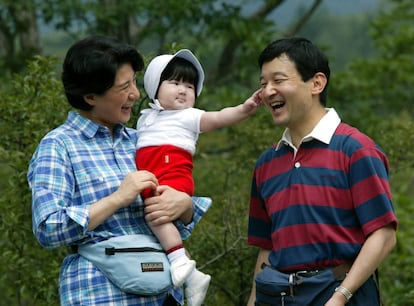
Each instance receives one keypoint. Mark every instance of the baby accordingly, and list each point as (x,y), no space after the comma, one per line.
(167,136)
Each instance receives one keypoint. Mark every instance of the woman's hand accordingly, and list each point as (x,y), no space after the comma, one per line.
(127,192)
(168,205)
(132,185)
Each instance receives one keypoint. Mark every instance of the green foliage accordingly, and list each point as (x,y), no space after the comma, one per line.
(32,105)
(375,95)
(383,85)
(396,135)
(372,94)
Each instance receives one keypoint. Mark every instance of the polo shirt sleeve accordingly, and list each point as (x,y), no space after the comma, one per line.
(370,189)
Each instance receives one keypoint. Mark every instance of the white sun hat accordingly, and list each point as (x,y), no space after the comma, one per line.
(157,65)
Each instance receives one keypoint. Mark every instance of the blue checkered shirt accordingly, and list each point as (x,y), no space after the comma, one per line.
(76,165)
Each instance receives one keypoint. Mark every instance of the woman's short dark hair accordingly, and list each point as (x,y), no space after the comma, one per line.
(308,58)
(91,64)
(181,70)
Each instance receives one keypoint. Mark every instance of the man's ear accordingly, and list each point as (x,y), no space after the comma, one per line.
(319,83)
(90,99)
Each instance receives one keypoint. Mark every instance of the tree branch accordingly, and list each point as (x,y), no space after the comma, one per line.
(222,254)
(227,55)
(267,8)
(302,21)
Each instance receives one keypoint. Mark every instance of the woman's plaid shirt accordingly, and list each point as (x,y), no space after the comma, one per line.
(76,165)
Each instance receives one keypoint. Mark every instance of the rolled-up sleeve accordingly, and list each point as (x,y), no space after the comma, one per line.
(200,207)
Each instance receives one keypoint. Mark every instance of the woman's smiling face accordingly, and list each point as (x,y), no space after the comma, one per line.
(115,106)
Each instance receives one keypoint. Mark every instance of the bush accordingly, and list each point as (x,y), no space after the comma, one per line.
(32,106)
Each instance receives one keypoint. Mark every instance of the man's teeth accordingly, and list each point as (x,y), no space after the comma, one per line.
(277,104)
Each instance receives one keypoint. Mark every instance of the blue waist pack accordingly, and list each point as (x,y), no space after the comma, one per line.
(135,263)
(274,288)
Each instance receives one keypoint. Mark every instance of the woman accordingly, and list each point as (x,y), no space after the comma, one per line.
(85,187)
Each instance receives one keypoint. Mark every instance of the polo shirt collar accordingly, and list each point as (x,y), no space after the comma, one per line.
(323,131)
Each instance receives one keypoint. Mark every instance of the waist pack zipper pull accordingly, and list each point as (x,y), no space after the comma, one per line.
(110,251)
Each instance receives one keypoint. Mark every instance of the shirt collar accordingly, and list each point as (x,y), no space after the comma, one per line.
(323,131)
(90,128)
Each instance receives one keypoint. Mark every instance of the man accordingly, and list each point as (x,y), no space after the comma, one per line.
(320,201)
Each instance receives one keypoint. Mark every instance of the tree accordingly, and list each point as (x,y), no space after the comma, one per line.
(19,35)
(33,104)
(143,23)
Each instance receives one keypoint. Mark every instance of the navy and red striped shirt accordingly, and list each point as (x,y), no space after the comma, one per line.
(315,207)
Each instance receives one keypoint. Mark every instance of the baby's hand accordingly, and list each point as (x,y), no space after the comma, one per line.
(257,96)
(253,102)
